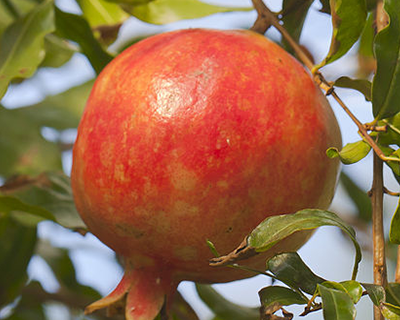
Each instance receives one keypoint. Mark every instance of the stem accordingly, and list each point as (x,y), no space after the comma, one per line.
(266,14)
(380,273)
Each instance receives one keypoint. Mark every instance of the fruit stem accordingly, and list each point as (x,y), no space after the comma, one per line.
(380,273)
(265,13)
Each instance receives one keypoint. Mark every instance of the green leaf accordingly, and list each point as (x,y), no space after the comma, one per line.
(25,214)
(348,19)
(280,295)
(390,312)
(77,29)
(58,51)
(27,152)
(61,111)
(224,309)
(336,304)
(393,293)
(9,14)
(51,192)
(376,293)
(167,11)
(385,92)
(351,152)
(350,287)
(394,233)
(392,136)
(276,228)
(361,85)
(16,249)
(22,44)
(359,197)
(291,270)
(101,12)
(294,14)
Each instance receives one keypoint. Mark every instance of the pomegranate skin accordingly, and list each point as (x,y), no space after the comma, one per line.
(198,134)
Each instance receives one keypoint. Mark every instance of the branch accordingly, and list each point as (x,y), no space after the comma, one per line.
(264,13)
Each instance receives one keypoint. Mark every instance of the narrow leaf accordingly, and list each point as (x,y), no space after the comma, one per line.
(77,29)
(224,309)
(351,152)
(167,11)
(336,304)
(22,44)
(291,270)
(348,19)
(385,92)
(361,85)
(276,228)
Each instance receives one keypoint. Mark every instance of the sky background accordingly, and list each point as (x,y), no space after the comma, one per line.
(328,253)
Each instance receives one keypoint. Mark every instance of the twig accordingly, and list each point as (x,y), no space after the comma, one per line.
(264,13)
(380,272)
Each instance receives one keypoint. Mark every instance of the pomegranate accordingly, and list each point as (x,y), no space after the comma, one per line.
(192,135)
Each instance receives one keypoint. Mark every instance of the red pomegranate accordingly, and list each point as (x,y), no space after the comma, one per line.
(192,135)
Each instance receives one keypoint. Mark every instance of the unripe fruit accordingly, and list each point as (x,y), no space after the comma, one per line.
(193,135)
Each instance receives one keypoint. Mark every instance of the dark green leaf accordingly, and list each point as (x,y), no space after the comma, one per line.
(167,11)
(336,304)
(348,19)
(22,44)
(393,293)
(281,295)
(394,234)
(294,14)
(16,249)
(361,85)
(359,197)
(276,228)
(376,293)
(291,270)
(224,309)
(26,151)
(351,152)
(77,29)
(385,92)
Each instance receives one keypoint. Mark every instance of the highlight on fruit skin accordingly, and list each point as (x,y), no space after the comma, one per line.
(192,135)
